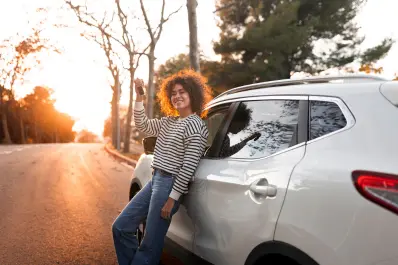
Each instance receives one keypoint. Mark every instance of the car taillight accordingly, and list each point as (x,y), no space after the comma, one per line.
(379,188)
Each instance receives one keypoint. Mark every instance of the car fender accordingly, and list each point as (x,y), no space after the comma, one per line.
(142,173)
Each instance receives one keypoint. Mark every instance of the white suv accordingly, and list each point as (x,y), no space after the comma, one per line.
(300,172)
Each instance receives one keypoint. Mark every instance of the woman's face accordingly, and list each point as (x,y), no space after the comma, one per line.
(180,98)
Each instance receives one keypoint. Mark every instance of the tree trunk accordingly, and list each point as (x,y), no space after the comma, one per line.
(7,138)
(22,128)
(37,133)
(193,35)
(127,132)
(114,118)
(151,86)
(3,113)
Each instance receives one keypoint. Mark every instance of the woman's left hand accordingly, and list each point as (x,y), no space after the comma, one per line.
(167,208)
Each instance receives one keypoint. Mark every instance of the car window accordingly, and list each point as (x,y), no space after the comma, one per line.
(261,128)
(325,117)
(213,122)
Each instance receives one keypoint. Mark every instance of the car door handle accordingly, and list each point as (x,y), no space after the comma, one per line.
(263,188)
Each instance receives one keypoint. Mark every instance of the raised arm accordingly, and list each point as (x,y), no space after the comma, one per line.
(149,126)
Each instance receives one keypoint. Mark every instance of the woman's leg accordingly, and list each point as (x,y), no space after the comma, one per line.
(125,225)
(156,228)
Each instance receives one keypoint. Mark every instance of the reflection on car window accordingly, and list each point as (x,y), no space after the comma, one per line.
(326,117)
(213,122)
(261,128)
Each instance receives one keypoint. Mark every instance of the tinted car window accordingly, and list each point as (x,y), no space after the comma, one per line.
(325,117)
(261,128)
(213,122)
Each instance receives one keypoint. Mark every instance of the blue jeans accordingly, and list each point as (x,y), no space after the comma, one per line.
(146,204)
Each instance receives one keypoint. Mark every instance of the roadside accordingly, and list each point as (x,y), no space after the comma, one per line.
(129,158)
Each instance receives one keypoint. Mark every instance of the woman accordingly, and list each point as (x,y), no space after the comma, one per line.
(181,140)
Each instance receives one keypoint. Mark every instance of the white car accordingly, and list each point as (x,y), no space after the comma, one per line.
(314,183)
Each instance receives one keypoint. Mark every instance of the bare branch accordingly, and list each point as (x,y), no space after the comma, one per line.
(148,24)
(128,42)
(163,20)
(94,23)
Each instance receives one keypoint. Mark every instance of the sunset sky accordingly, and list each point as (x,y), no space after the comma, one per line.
(80,79)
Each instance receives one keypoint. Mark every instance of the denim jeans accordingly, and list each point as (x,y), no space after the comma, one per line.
(146,204)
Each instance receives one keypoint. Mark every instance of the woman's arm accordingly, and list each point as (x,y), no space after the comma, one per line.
(149,126)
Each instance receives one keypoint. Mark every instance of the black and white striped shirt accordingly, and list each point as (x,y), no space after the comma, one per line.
(179,146)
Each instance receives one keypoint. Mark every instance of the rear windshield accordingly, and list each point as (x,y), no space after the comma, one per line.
(390,92)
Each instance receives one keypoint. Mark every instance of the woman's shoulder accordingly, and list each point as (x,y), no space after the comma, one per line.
(196,119)
(196,124)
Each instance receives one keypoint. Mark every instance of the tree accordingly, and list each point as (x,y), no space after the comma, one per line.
(134,56)
(212,70)
(265,40)
(17,56)
(102,35)
(193,35)
(122,36)
(154,35)
(37,114)
(86,136)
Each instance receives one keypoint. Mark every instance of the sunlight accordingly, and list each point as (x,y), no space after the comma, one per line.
(79,90)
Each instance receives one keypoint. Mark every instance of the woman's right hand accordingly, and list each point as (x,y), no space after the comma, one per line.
(138,83)
(139,87)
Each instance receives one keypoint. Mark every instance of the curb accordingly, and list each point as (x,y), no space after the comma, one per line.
(120,157)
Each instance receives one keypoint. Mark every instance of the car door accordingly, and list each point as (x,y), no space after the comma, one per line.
(242,190)
(182,228)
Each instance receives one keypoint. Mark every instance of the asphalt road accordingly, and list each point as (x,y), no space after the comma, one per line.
(58,202)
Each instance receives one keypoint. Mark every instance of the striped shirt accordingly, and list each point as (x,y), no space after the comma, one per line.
(179,146)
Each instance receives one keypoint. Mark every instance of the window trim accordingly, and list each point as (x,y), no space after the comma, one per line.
(302,123)
(344,109)
(255,98)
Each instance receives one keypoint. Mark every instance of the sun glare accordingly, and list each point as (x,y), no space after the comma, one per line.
(79,90)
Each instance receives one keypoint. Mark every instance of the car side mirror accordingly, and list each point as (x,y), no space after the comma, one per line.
(149,145)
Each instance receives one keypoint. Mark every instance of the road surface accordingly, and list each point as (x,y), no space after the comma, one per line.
(58,202)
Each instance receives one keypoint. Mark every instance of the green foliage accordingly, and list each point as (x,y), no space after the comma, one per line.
(265,40)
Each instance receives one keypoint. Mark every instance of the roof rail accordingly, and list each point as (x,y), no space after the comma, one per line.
(306,80)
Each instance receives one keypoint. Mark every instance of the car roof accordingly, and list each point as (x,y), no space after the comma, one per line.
(333,85)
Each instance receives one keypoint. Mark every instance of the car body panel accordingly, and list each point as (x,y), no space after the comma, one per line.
(324,215)
(229,211)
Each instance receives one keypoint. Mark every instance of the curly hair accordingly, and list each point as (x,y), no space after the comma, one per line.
(196,86)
